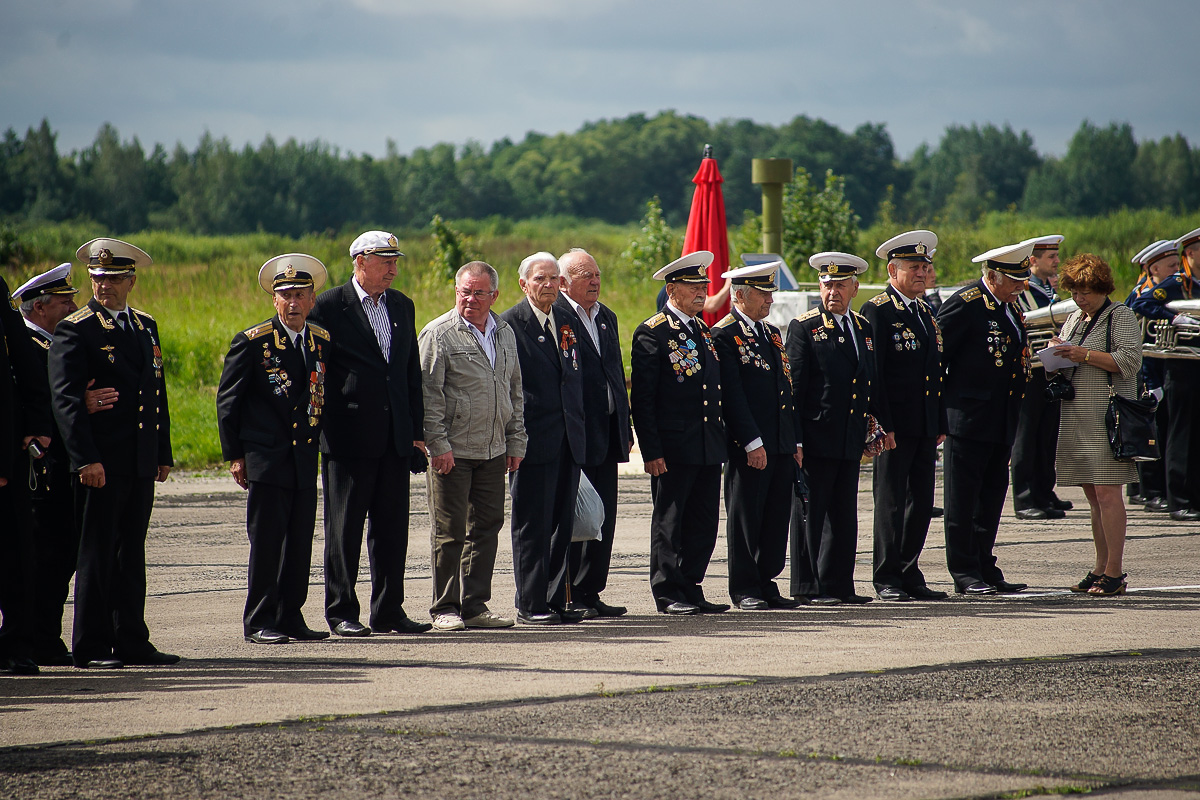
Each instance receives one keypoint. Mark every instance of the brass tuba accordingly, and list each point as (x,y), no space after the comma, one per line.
(1165,340)
(1043,324)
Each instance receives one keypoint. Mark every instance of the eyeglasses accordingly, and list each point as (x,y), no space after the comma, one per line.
(478,294)
(109,278)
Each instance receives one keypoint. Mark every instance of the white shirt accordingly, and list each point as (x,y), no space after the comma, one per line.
(1007,309)
(35,327)
(377,315)
(684,318)
(842,329)
(485,337)
(588,318)
(543,317)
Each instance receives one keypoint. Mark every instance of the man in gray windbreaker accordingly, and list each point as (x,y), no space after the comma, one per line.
(474,430)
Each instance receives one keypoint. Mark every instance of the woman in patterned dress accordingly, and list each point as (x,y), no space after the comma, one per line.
(1102,339)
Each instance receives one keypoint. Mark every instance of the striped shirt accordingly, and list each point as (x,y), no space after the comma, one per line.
(377,315)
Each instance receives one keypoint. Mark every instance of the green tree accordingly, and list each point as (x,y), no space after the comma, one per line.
(656,246)
(451,249)
(1165,175)
(813,220)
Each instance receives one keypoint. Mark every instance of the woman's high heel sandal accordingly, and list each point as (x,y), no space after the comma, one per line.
(1087,583)
(1107,586)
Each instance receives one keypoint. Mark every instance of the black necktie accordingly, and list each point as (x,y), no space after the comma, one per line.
(914,310)
(760,332)
(551,346)
(849,336)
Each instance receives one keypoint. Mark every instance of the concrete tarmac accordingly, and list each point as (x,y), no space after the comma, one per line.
(1042,692)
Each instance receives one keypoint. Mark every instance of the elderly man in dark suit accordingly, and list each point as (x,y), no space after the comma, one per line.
(118,455)
(833,369)
(986,360)
(374,416)
(908,361)
(756,401)
(269,410)
(675,399)
(24,419)
(544,488)
(609,434)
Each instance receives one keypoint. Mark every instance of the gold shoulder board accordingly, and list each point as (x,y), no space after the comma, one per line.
(879,299)
(80,315)
(972,294)
(319,331)
(141,313)
(809,314)
(656,320)
(726,322)
(261,329)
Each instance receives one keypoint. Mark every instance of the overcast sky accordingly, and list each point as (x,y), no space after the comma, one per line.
(356,73)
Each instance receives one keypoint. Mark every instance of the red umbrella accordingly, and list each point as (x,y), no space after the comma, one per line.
(706,228)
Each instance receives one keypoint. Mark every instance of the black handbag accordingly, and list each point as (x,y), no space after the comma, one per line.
(1132,432)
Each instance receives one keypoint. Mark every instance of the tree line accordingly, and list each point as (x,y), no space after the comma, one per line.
(606,170)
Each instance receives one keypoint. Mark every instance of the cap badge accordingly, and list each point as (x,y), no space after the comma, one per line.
(104,257)
(920,249)
(393,241)
(289,272)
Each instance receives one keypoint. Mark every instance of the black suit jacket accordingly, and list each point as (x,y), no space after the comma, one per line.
(675,395)
(368,392)
(134,437)
(986,365)
(552,385)
(834,393)
(908,358)
(603,372)
(756,394)
(24,399)
(270,403)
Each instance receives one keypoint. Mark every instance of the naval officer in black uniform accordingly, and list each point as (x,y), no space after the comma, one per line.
(756,403)
(270,405)
(986,359)
(675,399)
(908,357)
(833,370)
(118,455)
(1036,444)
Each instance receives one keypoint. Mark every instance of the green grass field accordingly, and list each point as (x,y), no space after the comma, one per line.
(203,290)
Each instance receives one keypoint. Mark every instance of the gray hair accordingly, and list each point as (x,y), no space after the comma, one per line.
(27,305)
(740,291)
(537,258)
(479,268)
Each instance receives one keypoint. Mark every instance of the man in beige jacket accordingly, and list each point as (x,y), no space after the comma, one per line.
(474,430)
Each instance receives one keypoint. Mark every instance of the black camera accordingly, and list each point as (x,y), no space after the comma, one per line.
(1059,388)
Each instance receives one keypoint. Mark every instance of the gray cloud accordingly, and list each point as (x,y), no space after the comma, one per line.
(358,72)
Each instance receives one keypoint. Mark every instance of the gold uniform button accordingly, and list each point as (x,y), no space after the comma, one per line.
(293,442)
(853,397)
(705,402)
(706,419)
(140,425)
(310,441)
(293,424)
(927,393)
(140,408)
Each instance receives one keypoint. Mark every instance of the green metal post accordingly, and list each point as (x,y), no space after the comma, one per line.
(772,174)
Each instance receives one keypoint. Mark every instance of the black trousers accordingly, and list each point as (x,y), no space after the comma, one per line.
(17,555)
(823,553)
(56,537)
(683,530)
(758,508)
(373,491)
(280,524)
(1152,475)
(903,484)
(1182,462)
(976,485)
(110,581)
(1035,448)
(590,560)
(543,514)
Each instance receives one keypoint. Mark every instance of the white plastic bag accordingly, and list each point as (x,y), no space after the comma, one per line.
(589,512)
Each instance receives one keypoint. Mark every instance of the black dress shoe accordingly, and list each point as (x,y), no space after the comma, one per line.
(150,658)
(892,594)
(538,618)
(305,634)
(976,589)
(679,609)
(19,665)
(1010,588)
(1158,504)
(711,608)
(101,663)
(937,512)
(1054,513)
(404,625)
(779,601)
(1136,499)
(349,627)
(605,610)
(569,615)
(925,593)
(1061,505)
(267,636)
(1032,513)
(825,600)
(752,604)
(1185,515)
(582,608)
(855,599)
